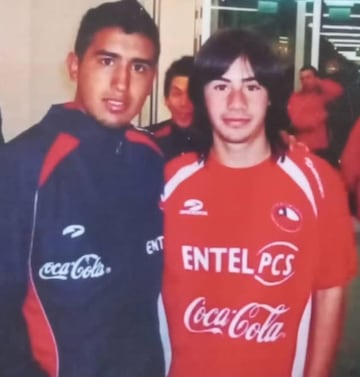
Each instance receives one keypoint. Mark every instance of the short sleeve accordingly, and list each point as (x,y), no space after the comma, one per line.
(336,261)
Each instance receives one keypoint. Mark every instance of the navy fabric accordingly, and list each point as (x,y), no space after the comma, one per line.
(176,140)
(90,237)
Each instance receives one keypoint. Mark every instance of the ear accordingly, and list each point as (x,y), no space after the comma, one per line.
(72,62)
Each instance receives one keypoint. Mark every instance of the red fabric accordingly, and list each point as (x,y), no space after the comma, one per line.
(41,336)
(163,132)
(62,146)
(350,163)
(141,138)
(244,252)
(308,113)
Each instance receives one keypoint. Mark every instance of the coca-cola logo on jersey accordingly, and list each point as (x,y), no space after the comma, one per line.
(252,322)
(88,266)
(272,265)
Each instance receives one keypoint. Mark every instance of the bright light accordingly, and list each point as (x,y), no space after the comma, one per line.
(234,8)
(339,3)
(347,45)
(338,27)
(340,40)
(353,35)
(327,15)
(351,55)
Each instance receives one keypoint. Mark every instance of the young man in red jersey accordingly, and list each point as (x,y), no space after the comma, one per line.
(259,244)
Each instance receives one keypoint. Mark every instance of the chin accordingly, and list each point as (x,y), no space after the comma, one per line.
(113,123)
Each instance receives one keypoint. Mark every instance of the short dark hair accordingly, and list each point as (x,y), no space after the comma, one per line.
(128,15)
(213,60)
(308,67)
(180,67)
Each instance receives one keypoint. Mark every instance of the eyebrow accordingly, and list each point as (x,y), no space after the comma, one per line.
(114,55)
(174,86)
(246,79)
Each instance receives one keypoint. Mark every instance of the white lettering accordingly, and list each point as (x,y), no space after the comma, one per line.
(234,260)
(155,245)
(271,265)
(88,266)
(288,265)
(257,322)
(265,261)
(219,252)
(201,260)
(245,264)
(187,257)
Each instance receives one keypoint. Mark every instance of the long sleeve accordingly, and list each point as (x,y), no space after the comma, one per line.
(330,89)
(15,352)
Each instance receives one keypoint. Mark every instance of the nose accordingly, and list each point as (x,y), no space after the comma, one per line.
(237,99)
(121,78)
(185,100)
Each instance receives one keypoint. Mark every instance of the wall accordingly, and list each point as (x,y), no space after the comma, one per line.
(35,37)
(14,64)
(177,21)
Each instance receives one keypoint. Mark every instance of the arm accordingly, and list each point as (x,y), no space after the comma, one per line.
(335,265)
(327,321)
(306,111)
(16,358)
(350,158)
(330,89)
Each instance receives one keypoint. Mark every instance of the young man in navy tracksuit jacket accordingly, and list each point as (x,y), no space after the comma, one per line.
(80,227)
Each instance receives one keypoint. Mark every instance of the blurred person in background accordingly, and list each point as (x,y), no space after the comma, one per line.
(176,135)
(308,111)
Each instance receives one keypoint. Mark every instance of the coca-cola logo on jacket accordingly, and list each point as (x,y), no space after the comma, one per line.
(88,266)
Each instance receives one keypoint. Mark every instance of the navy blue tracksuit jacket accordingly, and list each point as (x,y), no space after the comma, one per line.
(80,251)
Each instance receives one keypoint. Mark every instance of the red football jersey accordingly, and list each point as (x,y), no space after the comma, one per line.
(308,113)
(245,249)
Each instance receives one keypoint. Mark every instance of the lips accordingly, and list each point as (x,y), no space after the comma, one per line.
(236,121)
(116,105)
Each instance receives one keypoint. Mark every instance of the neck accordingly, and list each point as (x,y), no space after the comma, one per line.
(181,124)
(241,155)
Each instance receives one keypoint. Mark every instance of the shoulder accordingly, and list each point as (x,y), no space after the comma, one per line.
(323,178)
(142,137)
(332,86)
(294,100)
(160,130)
(306,159)
(179,170)
(27,146)
(24,155)
(177,164)
(295,95)
(39,136)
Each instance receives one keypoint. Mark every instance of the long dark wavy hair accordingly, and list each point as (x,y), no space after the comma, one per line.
(214,59)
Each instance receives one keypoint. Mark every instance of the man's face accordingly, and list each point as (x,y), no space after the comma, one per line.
(236,105)
(178,101)
(114,76)
(308,80)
